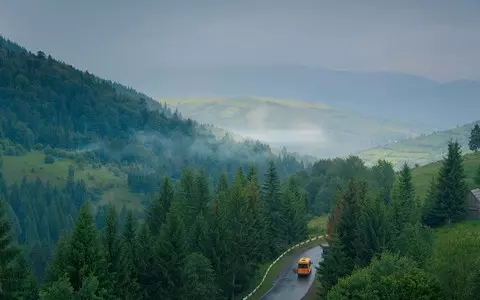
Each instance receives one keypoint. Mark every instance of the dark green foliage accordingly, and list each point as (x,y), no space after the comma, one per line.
(450,203)
(81,255)
(474,141)
(115,255)
(455,262)
(383,179)
(477,177)
(415,242)
(403,207)
(293,213)
(131,255)
(198,278)
(145,254)
(327,176)
(389,277)
(38,226)
(373,230)
(12,276)
(160,206)
(352,201)
(428,216)
(272,201)
(343,254)
(60,289)
(170,252)
(335,265)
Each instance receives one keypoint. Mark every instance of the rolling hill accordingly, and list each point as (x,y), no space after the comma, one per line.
(389,95)
(420,150)
(306,127)
(422,176)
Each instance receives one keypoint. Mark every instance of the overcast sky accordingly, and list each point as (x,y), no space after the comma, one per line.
(438,39)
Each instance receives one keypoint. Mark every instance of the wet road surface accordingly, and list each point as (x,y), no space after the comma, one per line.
(288,286)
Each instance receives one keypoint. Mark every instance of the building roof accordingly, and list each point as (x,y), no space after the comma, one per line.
(476,194)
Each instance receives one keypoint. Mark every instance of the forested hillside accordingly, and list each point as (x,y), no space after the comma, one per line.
(406,245)
(69,139)
(195,244)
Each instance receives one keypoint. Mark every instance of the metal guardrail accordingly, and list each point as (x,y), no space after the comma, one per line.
(278,258)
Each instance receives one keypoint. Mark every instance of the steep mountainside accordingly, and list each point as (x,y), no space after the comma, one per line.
(68,138)
(304,127)
(421,150)
(48,103)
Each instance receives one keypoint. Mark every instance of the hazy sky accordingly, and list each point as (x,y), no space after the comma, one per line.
(437,38)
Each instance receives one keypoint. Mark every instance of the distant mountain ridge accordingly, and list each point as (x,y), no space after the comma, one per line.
(310,128)
(381,94)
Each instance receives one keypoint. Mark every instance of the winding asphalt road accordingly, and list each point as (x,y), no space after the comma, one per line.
(288,286)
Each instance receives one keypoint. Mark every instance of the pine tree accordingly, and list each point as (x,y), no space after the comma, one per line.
(115,254)
(293,213)
(450,204)
(217,234)
(11,284)
(202,192)
(131,257)
(384,177)
(198,235)
(160,206)
(27,284)
(188,204)
(474,141)
(271,197)
(147,272)
(198,278)
(334,266)
(60,289)
(222,185)
(352,201)
(428,213)
(334,217)
(259,221)
(170,253)
(372,231)
(402,209)
(242,237)
(81,255)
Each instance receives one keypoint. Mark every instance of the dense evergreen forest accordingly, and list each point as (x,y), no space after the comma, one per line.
(215,209)
(383,248)
(49,106)
(194,244)
(46,103)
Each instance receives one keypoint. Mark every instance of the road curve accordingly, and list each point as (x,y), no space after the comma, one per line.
(288,286)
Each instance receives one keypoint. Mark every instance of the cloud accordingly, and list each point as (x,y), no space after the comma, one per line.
(434,38)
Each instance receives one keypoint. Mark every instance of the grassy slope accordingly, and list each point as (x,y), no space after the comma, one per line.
(343,132)
(471,225)
(423,175)
(31,165)
(420,150)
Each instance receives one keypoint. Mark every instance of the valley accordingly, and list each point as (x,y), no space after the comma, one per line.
(309,128)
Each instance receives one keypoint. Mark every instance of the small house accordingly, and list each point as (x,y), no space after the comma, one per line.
(474,204)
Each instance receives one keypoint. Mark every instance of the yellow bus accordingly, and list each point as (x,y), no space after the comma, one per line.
(304,267)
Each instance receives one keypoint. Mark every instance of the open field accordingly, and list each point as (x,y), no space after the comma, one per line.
(423,175)
(113,186)
(421,150)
